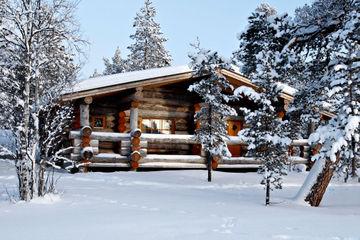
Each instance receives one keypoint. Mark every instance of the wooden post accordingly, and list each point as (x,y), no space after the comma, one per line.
(86,150)
(85,112)
(84,115)
(215,162)
(135,155)
(134,115)
(86,131)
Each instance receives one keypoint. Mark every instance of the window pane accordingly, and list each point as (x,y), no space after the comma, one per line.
(157,126)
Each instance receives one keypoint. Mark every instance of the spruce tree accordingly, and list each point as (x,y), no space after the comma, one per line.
(115,65)
(267,135)
(252,38)
(212,133)
(318,38)
(148,50)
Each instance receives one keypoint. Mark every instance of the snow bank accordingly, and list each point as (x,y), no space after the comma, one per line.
(47,199)
(176,205)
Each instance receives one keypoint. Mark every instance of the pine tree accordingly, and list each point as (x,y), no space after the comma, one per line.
(267,135)
(212,133)
(318,37)
(115,65)
(148,50)
(252,38)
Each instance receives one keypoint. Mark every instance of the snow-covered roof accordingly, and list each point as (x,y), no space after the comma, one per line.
(121,81)
(128,77)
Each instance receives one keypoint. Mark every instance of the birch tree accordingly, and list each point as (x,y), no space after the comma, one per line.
(40,39)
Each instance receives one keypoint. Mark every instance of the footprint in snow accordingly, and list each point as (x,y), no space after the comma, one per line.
(226,227)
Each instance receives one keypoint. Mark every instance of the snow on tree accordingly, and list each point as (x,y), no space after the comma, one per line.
(116,64)
(339,138)
(267,134)
(318,43)
(55,120)
(212,132)
(148,50)
(252,38)
(39,39)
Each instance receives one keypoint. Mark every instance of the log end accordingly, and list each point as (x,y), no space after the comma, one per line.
(134,165)
(136,133)
(135,156)
(86,131)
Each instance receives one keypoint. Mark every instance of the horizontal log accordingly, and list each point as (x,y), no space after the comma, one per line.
(182,132)
(77,150)
(167,151)
(160,165)
(143,144)
(168,138)
(110,157)
(127,151)
(252,160)
(175,165)
(109,165)
(240,160)
(160,114)
(164,107)
(166,102)
(103,150)
(93,143)
(169,146)
(238,166)
(173,159)
(104,136)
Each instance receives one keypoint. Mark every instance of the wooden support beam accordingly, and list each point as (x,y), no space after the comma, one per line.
(135,155)
(134,115)
(84,115)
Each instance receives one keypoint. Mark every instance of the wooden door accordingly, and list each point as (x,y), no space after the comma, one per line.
(234,126)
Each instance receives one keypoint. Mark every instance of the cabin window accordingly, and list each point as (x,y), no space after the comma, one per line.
(98,122)
(164,126)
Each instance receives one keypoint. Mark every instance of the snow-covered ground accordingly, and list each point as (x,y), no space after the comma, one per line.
(175,205)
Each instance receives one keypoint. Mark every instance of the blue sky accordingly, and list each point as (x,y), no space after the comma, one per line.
(108,24)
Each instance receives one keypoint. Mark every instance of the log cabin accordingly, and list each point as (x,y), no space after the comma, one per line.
(145,119)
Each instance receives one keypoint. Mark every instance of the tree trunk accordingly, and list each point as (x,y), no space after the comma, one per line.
(317,191)
(209,165)
(24,169)
(353,160)
(41,175)
(267,198)
(209,157)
